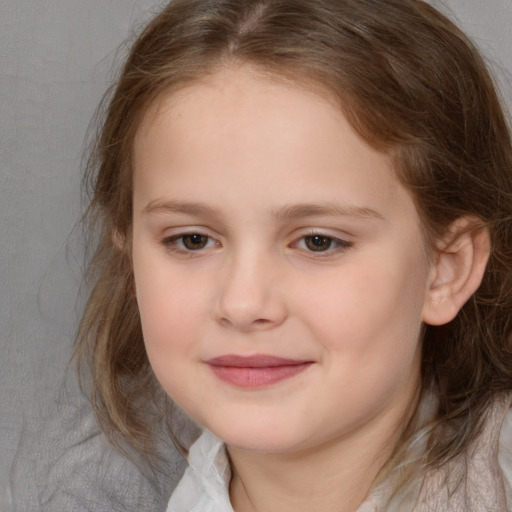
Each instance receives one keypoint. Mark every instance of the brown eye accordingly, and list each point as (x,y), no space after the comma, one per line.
(194,241)
(318,243)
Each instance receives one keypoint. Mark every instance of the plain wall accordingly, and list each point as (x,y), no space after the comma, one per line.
(56,58)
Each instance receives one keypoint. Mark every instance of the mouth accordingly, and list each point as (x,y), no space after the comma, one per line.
(255,371)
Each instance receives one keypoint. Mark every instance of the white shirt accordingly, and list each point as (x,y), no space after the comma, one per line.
(205,485)
(484,472)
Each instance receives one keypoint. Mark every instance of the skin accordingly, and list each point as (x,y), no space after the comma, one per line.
(241,160)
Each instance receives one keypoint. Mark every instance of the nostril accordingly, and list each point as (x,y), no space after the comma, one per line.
(245,323)
(247,300)
(261,322)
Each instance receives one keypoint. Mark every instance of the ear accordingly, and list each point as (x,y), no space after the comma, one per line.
(457,269)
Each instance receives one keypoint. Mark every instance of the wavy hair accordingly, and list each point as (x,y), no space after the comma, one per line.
(411,84)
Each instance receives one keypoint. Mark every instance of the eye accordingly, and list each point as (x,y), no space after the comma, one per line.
(194,241)
(186,242)
(318,243)
(321,243)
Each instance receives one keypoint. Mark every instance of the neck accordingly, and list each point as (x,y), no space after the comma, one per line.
(333,477)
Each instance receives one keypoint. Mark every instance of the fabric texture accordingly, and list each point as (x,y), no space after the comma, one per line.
(204,486)
(70,466)
(479,480)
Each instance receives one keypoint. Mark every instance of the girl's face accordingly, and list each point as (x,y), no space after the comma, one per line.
(279,266)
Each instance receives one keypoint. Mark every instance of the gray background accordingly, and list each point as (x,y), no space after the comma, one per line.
(56,60)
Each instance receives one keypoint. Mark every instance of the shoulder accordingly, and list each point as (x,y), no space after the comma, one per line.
(205,484)
(505,451)
(480,478)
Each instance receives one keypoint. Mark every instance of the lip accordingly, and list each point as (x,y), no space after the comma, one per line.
(255,371)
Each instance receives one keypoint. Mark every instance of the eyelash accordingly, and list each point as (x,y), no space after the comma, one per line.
(334,244)
(172,242)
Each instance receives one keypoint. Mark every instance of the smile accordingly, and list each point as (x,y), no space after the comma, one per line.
(255,371)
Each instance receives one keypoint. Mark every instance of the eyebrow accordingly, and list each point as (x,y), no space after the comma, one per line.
(286,212)
(325,210)
(186,207)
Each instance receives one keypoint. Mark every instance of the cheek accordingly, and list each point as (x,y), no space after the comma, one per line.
(370,313)
(168,305)
(170,317)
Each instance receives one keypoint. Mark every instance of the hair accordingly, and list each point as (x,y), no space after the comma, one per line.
(412,85)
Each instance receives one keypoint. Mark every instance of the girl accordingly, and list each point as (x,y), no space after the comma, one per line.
(303,210)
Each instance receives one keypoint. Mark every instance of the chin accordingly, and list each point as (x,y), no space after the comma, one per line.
(270,440)
(261,445)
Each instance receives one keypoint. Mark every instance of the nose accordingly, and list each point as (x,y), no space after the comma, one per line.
(251,296)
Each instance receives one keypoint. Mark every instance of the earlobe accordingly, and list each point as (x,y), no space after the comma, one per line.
(457,270)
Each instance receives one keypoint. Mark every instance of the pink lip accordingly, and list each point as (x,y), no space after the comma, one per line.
(255,371)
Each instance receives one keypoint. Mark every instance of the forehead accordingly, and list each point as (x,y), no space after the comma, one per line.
(239,130)
(231,96)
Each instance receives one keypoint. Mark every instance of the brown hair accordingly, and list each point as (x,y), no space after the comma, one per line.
(411,84)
